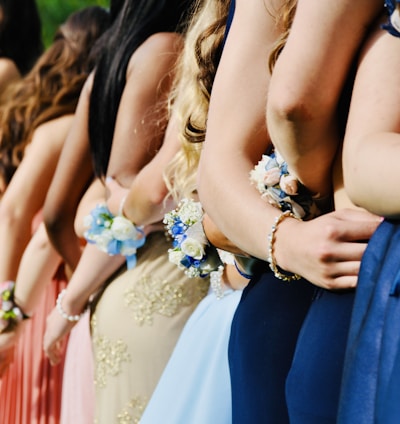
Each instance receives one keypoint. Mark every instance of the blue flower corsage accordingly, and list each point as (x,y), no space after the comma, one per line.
(114,235)
(281,189)
(191,251)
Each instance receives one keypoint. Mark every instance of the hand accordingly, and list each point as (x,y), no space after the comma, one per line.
(54,339)
(115,195)
(327,250)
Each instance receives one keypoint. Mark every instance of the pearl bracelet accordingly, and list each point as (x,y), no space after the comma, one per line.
(60,310)
(271,240)
(216,282)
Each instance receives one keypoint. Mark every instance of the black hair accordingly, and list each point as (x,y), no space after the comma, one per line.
(137,20)
(20,33)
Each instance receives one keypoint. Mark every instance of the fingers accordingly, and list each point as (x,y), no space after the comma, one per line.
(54,351)
(357,224)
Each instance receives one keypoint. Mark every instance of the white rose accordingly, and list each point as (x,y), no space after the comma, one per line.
(192,248)
(123,229)
(175,256)
(102,240)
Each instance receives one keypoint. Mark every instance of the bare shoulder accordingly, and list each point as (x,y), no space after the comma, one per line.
(162,46)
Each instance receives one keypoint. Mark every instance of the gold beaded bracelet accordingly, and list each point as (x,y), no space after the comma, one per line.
(271,240)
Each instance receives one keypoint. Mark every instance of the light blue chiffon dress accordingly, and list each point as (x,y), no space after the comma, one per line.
(195,385)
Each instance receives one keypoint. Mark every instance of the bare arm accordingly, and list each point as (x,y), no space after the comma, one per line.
(322,250)
(372,142)
(84,282)
(145,200)
(72,177)
(236,131)
(38,265)
(141,118)
(26,192)
(307,81)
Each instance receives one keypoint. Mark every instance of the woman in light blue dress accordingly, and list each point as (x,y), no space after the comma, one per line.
(195,385)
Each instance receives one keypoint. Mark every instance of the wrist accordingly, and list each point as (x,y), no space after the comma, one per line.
(10,313)
(70,312)
(73,305)
(276,250)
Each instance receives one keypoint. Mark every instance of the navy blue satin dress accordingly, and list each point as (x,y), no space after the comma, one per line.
(371,378)
(314,381)
(263,338)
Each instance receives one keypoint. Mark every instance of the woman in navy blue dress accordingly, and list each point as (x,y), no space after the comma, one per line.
(271,312)
(371,378)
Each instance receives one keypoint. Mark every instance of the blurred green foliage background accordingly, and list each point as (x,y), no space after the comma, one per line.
(54,12)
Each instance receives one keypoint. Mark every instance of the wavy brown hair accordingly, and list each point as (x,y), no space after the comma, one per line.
(51,89)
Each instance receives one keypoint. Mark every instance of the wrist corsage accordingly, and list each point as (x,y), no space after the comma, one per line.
(114,235)
(10,313)
(191,250)
(281,189)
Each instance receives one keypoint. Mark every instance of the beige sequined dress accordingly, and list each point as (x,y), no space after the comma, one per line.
(135,326)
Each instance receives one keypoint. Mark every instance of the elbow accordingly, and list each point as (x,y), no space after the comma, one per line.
(10,215)
(290,106)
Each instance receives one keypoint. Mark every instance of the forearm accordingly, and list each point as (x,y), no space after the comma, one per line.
(38,265)
(64,240)
(15,235)
(236,208)
(308,147)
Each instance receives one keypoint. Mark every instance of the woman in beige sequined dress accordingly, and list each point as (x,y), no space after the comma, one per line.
(139,312)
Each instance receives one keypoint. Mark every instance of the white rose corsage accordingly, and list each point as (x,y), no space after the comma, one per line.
(191,250)
(114,235)
(281,189)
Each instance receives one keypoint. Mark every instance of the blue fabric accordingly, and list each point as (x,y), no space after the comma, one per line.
(318,362)
(261,347)
(370,370)
(195,386)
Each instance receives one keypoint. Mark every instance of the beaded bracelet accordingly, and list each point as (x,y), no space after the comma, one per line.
(10,313)
(216,282)
(271,240)
(60,310)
